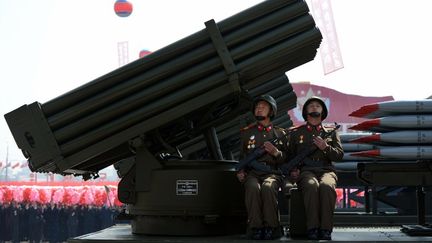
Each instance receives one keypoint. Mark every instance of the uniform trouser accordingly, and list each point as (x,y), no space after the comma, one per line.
(288,184)
(319,195)
(261,200)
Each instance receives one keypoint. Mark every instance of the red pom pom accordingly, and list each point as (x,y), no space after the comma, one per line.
(26,194)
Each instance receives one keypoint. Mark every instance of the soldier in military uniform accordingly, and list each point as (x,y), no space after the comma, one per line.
(261,187)
(317,179)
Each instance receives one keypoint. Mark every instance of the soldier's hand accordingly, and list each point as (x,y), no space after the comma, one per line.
(271,149)
(241,175)
(320,143)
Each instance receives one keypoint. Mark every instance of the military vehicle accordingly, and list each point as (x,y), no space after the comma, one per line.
(160,118)
(170,121)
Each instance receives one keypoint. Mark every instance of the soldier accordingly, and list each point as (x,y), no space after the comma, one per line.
(317,179)
(261,187)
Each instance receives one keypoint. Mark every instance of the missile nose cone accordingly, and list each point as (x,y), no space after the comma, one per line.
(372,138)
(365,110)
(368,153)
(366,125)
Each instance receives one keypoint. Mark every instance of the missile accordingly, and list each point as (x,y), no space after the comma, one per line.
(346,137)
(400,137)
(345,166)
(352,165)
(399,152)
(354,147)
(388,108)
(386,124)
(351,157)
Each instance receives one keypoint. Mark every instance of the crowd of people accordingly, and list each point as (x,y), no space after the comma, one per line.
(36,222)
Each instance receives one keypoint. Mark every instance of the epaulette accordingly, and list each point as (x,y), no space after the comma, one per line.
(296,127)
(282,130)
(247,127)
(329,127)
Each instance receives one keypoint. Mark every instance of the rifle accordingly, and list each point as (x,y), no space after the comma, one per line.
(251,159)
(287,167)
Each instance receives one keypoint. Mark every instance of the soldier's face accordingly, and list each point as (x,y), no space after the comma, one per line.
(262,109)
(314,106)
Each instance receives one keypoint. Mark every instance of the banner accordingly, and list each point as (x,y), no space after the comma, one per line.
(339,104)
(330,53)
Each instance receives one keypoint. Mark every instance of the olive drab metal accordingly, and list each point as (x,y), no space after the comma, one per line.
(177,113)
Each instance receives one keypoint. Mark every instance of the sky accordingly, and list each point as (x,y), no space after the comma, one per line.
(49,47)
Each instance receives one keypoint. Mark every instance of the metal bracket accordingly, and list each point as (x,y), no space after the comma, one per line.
(145,164)
(223,52)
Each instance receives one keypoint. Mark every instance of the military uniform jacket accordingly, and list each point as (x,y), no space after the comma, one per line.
(301,138)
(254,136)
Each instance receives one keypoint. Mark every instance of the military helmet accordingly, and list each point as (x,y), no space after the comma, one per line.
(270,100)
(319,100)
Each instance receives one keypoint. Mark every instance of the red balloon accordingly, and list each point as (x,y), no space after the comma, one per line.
(144,53)
(123,8)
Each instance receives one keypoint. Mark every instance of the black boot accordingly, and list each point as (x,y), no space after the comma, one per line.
(268,233)
(257,233)
(325,234)
(313,234)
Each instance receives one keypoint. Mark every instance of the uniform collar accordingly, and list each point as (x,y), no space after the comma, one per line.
(264,128)
(311,127)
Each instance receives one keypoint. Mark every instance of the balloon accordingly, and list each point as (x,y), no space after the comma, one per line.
(144,53)
(123,8)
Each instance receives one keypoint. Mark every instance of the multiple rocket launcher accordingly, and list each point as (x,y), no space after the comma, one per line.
(170,97)
(176,97)
(398,131)
(170,121)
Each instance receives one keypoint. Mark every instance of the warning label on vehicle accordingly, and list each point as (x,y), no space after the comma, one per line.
(187,187)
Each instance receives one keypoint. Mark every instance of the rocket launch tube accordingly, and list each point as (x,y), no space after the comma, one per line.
(263,11)
(163,103)
(181,74)
(102,115)
(136,100)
